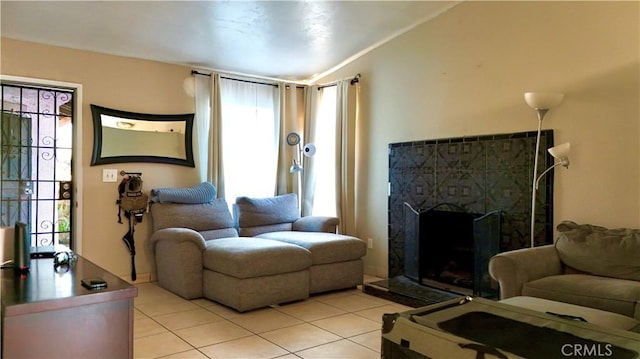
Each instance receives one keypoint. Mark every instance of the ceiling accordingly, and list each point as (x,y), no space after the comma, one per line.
(289,40)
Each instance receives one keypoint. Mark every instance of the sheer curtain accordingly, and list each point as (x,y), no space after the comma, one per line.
(249,137)
(325,161)
(329,178)
(312,98)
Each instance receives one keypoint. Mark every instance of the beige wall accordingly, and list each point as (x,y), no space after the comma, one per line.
(465,72)
(121,83)
(462,73)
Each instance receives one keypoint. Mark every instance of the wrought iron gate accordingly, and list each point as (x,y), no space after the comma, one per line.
(36,139)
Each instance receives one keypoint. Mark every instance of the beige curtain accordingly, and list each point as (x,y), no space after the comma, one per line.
(207,131)
(290,121)
(202,124)
(215,166)
(346,126)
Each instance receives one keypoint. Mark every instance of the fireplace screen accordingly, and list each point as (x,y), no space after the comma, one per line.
(450,246)
(442,245)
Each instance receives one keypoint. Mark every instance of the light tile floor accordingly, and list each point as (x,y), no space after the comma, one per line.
(343,324)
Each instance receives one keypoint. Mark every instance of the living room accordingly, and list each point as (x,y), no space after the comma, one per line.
(460,74)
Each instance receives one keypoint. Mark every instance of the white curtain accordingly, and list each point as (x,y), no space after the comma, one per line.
(312,98)
(249,137)
(329,177)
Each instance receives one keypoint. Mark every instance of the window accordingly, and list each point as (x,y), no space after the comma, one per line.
(324,200)
(249,138)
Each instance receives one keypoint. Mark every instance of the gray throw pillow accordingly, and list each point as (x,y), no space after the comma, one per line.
(253,212)
(600,251)
(199,217)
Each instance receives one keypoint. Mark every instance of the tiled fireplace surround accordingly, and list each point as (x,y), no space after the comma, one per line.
(480,174)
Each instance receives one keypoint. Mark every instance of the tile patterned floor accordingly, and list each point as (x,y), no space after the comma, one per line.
(343,324)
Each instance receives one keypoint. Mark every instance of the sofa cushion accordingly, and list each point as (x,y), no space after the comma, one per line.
(324,247)
(218,233)
(600,251)
(258,212)
(199,217)
(255,231)
(254,257)
(610,294)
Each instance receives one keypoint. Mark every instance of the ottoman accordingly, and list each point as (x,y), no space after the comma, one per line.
(246,273)
(483,328)
(590,315)
(336,259)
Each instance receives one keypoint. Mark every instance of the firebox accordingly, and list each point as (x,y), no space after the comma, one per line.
(448,245)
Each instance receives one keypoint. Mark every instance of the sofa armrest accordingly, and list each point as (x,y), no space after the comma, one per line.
(316,224)
(515,268)
(178,235)
(178,255)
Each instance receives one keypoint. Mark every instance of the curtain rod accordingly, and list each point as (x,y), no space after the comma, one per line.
(194,72)
(354,81)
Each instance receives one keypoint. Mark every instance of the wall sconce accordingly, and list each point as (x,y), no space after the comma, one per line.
(308,150)
(541,102)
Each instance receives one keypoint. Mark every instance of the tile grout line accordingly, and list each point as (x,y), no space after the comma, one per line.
(321,299)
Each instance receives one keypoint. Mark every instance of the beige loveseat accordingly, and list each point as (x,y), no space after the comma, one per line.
(588,265)
(266,254)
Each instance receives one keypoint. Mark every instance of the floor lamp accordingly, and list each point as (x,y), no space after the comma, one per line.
(308,150)
(541,102)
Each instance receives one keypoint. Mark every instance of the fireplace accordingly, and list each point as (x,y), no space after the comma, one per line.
(447,245)
(488,176)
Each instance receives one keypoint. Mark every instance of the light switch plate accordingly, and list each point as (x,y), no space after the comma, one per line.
(109,175)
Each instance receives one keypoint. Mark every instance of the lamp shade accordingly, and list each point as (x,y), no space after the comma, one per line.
(543,100)
(560,151)
(295,167)
(309,150)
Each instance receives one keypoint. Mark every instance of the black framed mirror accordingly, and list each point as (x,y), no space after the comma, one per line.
(121,136)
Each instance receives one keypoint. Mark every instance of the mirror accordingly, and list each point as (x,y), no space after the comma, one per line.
(120,136)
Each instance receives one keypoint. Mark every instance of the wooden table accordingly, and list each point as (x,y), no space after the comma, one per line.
(48,313)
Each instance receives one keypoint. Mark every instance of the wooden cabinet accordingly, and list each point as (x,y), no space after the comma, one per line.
(48,313)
